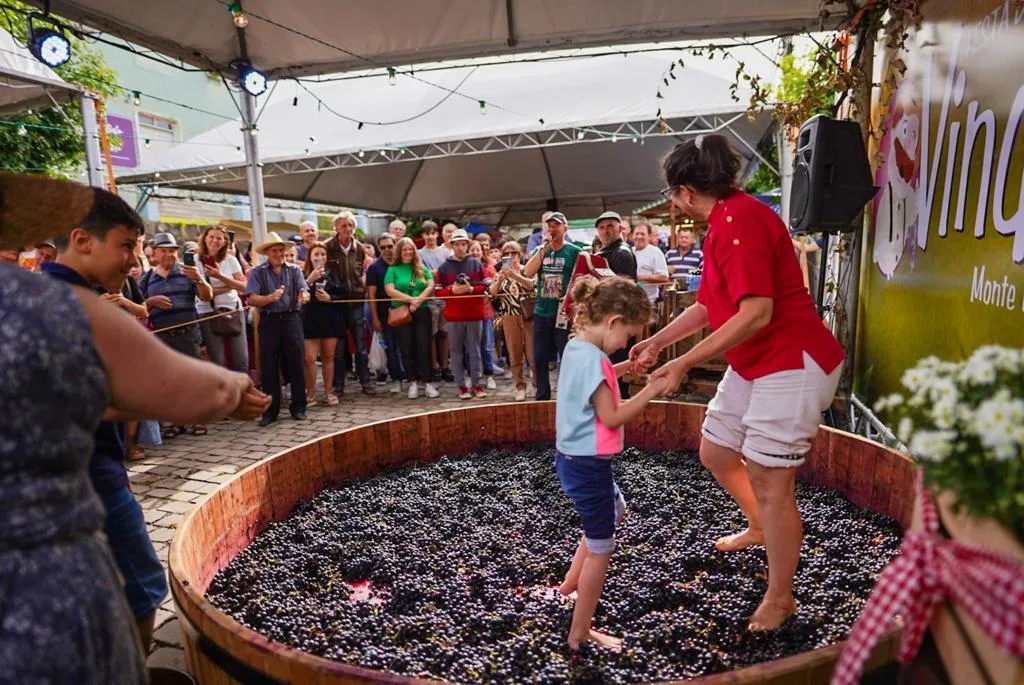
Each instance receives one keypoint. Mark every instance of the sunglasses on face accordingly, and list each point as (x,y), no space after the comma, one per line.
(387,247)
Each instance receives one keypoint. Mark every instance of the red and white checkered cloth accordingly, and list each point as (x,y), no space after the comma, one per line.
(930,568)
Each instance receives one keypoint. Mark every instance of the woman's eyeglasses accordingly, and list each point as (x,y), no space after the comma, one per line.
(668,191)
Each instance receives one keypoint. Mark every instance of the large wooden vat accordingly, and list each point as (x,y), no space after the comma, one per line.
(222,651)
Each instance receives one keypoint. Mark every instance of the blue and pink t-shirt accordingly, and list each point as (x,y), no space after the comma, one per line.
(578,430)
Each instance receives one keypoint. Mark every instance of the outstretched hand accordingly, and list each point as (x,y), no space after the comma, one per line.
(252,403)
(669,376)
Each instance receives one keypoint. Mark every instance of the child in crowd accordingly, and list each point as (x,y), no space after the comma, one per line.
(589,421)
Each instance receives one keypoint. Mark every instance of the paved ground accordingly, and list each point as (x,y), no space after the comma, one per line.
(176,475)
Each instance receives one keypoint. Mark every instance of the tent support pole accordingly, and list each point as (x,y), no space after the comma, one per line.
(253,169)
(90,133)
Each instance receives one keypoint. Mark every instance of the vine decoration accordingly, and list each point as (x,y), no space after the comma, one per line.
(832,77)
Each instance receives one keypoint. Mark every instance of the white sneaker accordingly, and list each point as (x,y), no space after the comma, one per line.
(432,391)
(520,395)
(491,385)
(414,390)
(396,387)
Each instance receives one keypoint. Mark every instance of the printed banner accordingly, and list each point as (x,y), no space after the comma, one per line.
(946,269)
(124,151)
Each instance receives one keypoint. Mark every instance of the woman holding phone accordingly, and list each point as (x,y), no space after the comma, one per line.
(321,322)
(508,291)
(225,275)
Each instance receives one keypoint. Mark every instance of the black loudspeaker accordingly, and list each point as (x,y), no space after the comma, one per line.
(831,177)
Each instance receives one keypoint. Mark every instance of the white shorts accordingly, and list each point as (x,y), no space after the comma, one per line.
(773,419)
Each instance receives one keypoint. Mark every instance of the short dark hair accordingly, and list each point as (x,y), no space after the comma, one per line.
(708,164)
(429,226)
(108,211)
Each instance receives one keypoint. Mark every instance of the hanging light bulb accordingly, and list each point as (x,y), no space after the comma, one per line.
(392,77)
(136,98)
(362,154)
(238,15)
(22,131)
(615,138)
(483,107)
(580,134)
(147,143)
(156,174)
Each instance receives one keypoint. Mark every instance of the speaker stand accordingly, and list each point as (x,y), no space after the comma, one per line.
(822,271)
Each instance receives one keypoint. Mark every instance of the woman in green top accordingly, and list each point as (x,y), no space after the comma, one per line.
(408,283)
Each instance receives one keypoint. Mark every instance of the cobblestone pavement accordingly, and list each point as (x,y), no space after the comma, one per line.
(178,474)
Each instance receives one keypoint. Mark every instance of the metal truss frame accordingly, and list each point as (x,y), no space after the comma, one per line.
(626,132)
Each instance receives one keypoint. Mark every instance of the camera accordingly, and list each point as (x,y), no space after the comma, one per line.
(462,279)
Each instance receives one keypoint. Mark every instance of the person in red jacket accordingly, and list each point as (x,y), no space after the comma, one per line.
(784,364)
(461,278)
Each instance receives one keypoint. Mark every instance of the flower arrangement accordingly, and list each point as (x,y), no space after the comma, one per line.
(964,423)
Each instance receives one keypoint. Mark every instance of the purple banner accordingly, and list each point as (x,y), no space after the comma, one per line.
(124,154)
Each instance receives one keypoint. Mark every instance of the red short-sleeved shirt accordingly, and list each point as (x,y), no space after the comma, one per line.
(748,252)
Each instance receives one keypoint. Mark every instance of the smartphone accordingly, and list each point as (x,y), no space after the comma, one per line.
(506,263)
(189,259)
(209,260)
(320,285)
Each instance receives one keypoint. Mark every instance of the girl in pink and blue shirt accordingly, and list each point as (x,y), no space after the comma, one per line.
(589,421)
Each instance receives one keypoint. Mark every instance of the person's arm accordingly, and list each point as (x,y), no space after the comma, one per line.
(615,416)
(536,259)
(693,319)
(425,295)
(203,289)
(754,314)
(149,380)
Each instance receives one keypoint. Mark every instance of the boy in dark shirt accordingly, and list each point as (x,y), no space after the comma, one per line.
(99,255)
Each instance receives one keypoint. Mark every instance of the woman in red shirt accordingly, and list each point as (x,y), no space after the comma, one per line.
(784,364)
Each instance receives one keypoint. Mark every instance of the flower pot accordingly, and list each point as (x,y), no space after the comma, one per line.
(967,652)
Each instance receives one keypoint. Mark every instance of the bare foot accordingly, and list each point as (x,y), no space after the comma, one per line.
(770,615)
(567,588)
(597,637)
(741,540)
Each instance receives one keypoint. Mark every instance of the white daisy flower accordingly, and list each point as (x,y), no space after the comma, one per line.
(932,445)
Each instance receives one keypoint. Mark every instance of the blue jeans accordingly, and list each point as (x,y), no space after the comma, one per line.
(589,483)
(487,347)
(548,340)
(125,528)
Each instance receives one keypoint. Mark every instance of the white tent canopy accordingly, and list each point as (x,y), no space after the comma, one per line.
(25,82)
(598,146)
(303,37)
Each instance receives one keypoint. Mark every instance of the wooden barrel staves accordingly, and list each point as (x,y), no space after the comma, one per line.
(221,651)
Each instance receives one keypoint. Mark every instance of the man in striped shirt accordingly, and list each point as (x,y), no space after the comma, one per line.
(684,258)
(171,290)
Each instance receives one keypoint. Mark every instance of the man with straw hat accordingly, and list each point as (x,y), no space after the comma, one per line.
(278,289)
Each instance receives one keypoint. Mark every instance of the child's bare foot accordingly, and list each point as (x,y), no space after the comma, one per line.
(741,540)
(770,615)
(598,638)
(567,587)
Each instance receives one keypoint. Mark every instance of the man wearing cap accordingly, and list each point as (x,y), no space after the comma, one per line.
(46,251)
(278,289)
(461,278)
(622,263)
(613,249)
(554,261)
(171,290)
(345,259)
